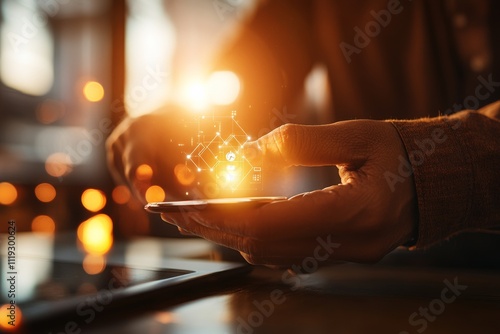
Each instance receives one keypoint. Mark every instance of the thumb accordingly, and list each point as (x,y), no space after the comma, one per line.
(312,145)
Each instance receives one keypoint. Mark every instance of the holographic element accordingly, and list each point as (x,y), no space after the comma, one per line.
(213,150)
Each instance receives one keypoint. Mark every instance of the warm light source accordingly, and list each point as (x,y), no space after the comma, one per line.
(93,91)
(5,318)
(8,193)
(121,194)
(93,199)
(194,94)
(155,194)
(96,234)
(49,111)
(184,174)
(144,172)
(45,192)
(223,87)
(43,224)
(94,264)
(26,48)
(58,164)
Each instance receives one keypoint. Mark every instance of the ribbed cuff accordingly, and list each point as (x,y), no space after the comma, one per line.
(442,171)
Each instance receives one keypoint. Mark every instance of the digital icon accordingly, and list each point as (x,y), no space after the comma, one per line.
(212,150)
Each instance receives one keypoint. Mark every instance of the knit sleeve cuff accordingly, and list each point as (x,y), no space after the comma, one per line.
(453,163)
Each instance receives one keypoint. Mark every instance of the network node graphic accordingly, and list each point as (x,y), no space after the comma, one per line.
(213,149)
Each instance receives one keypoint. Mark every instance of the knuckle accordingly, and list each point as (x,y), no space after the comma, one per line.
(285,140)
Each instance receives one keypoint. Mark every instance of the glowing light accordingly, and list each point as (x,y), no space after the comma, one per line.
(165,317)
(155,194)
(194,95)
(93,200)
(45,192)
(96,234)
(8,193)
(5,313)
(94,264)
(43,224)
(26,48)
(58,164)
(50,111)
(230,177)
(121,194)
(223,87)
(144,173)
(93,91)
(184,175)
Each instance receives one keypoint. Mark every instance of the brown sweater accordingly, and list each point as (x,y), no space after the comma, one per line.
(420,62)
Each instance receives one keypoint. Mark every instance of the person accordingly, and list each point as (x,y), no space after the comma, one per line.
(416,139)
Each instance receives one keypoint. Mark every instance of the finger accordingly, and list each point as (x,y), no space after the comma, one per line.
(308,145)
(357,247)
(335,210)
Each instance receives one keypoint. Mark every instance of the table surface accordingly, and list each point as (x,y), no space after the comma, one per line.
(405,293)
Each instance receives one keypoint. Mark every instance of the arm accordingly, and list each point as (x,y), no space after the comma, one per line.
(455,164)
(381,202)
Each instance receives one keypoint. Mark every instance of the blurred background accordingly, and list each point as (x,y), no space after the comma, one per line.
(70,70)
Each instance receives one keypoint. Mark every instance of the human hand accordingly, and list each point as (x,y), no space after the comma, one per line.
(363,215)
(146,140)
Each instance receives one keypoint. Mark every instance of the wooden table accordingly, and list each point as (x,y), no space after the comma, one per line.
(408,292)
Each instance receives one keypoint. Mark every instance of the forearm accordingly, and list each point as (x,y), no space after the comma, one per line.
(454,164)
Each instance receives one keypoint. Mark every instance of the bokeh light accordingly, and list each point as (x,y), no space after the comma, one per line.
(184,174)
(4,318)
(93,91)
(121,194)
(49,111)
(94,264)
(96,234)
(8,193)
(45,192)
(93,199)
(58,164)
(43,224)
(144,172)
(155,194)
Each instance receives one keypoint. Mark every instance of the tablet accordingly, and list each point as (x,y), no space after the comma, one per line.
(58,290)
(211,204)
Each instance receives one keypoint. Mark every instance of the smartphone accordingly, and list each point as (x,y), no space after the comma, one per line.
(211,204)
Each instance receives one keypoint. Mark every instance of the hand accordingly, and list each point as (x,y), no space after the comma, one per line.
(363,215)
(146,140)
